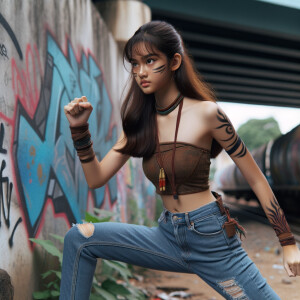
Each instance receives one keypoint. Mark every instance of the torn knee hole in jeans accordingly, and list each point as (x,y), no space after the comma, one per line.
(86,229)
(233,289)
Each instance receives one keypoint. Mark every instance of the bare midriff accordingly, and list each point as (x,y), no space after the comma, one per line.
(188,202)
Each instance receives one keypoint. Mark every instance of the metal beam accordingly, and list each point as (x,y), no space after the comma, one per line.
(248,51)
(246,72)
(257,15)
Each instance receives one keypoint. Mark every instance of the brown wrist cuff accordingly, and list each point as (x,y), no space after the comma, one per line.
(86,154)
(290,241)
(80,132)
(83,161)
(284,235)
(82,142)
(78,129)
(286,238)
(80,135)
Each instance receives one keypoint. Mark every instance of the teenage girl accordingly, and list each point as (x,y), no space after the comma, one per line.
(169,110)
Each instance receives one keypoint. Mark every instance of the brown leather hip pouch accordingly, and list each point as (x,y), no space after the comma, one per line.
(231,225)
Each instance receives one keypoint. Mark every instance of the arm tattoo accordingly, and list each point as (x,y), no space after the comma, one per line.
(159,69)
(277,218)
(232,135)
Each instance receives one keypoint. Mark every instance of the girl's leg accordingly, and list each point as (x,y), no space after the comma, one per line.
(150,247)
(221,261)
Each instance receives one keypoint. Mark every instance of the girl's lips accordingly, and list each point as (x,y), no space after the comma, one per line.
(144,84)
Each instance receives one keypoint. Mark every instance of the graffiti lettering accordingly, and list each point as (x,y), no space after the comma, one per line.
(46,163)
(10,241)
(10,32)
(2,150)
(26,83)
(5,200)
(4,181)
(3,51)
(5,191)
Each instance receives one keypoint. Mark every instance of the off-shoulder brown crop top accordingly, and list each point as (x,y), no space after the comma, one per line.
(192,165)
(185,166)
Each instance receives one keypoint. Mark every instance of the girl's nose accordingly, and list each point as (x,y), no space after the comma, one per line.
(142,71)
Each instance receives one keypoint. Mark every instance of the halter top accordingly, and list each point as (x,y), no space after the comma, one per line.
(192,165)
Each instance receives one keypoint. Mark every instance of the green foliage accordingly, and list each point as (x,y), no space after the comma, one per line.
(138,215)
(256,132)
(49,247)
(105,285)
(133,211)
(42,295)
(58,237)
(146,221)
(52,288)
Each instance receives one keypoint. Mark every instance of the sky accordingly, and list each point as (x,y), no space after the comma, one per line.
(287,117)
(290,3)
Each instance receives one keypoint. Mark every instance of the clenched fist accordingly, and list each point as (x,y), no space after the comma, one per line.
(78,111)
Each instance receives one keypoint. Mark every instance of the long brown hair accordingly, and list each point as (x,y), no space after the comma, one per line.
(138,109)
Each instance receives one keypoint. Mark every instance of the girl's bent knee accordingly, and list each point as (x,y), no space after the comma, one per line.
(78,230)
(71,235)
(86,229)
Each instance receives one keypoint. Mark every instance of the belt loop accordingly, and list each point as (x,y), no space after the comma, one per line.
(186,216)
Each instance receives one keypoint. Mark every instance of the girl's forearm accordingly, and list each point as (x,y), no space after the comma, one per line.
(92,173)
(273,211)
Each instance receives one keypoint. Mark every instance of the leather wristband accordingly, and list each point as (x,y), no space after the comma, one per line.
(286,238)
(82,142)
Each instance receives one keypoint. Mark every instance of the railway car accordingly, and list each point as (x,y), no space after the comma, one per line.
(279,161)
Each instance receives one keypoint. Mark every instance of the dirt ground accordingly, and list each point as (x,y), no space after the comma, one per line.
(262,247)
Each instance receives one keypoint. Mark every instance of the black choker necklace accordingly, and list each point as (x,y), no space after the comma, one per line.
(171,107)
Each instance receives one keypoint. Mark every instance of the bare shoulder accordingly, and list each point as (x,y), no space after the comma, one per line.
(209,108)
(204,109)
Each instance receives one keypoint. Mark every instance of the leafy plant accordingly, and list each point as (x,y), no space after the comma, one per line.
(111,283)
(132,211)
(51,290)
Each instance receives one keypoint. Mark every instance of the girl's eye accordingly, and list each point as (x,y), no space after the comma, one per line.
(133,64)
(150,59)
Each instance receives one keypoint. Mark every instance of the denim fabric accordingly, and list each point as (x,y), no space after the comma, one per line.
(191,242)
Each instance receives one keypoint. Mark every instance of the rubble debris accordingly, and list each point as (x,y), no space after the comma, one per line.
(278,267)
(286,281)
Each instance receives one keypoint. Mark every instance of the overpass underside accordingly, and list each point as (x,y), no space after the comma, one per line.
(248,51)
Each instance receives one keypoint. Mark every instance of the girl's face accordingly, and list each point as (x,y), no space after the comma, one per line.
(150,70)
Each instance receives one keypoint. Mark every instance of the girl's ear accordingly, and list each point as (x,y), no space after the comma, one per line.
(176,61)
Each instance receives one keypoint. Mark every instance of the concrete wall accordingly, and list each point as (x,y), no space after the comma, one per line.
(51,52)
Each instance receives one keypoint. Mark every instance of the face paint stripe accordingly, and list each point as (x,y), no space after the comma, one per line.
(159,69)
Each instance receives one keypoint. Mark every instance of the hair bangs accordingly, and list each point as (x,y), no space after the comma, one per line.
(137,45)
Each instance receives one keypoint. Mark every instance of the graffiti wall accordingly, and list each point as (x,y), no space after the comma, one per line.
(50,53)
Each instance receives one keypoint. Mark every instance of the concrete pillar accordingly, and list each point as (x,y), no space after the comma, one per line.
(123,17)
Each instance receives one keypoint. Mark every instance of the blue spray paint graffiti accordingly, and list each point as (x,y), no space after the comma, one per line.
(46,163)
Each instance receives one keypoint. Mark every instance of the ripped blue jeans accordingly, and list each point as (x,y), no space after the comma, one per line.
(190,242)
